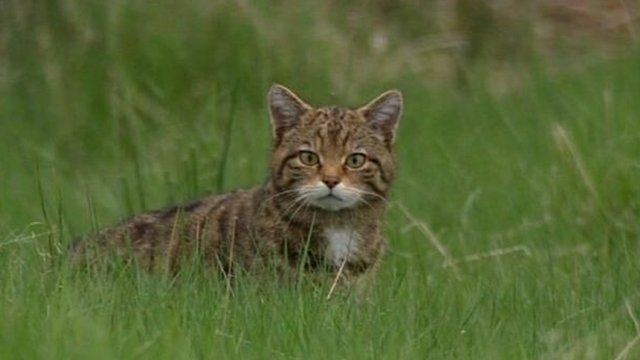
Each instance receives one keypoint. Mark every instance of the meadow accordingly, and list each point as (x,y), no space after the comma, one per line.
(514,221)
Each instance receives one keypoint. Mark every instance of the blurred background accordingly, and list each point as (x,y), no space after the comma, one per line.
(513,224)
(144,102)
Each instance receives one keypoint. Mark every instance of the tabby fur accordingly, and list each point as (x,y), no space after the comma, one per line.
(315,212)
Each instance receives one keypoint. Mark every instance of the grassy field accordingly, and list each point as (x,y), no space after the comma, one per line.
(514,227)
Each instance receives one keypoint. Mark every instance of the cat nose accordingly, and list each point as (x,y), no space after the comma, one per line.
(331,182)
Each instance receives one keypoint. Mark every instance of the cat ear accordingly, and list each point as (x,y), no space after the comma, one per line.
(383,113)
(285,108)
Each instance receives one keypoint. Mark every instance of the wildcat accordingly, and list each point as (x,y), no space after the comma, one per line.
(321,208)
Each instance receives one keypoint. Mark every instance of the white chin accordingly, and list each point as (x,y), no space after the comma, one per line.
(332,203)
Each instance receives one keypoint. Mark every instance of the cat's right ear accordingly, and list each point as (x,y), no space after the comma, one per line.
(285,108)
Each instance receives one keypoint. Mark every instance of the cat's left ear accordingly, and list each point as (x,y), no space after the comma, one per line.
(383,113)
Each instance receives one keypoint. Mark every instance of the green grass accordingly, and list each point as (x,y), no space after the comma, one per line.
(109,108)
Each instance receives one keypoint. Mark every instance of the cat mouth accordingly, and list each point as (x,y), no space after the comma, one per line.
(328,199)
(331,202)
(332,197)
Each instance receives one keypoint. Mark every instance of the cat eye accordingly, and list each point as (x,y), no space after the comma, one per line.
(309,158)
(356,160)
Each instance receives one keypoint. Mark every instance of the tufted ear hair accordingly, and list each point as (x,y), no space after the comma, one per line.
(285,108)
(383,113)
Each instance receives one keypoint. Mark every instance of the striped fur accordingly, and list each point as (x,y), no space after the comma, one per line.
(290,221)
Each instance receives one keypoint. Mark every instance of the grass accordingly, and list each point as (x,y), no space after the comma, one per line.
(109,108)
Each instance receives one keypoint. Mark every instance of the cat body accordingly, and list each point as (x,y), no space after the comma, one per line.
(320,210)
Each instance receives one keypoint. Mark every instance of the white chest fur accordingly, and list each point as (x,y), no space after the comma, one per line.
(341,244)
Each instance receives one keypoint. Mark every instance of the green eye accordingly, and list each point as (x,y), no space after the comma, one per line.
(309,158)
(356,160)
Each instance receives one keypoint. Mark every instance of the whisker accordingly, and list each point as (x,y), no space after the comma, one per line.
(303,205)
(292,204)
(364,192)
(276,195)
(362,200)
(281,193)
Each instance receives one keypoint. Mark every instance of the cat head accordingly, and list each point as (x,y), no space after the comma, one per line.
(333,158)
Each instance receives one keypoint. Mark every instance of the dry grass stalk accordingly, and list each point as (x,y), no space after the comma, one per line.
(489,254)
(432,237)
(625,351)
(566,145)
(336,279)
